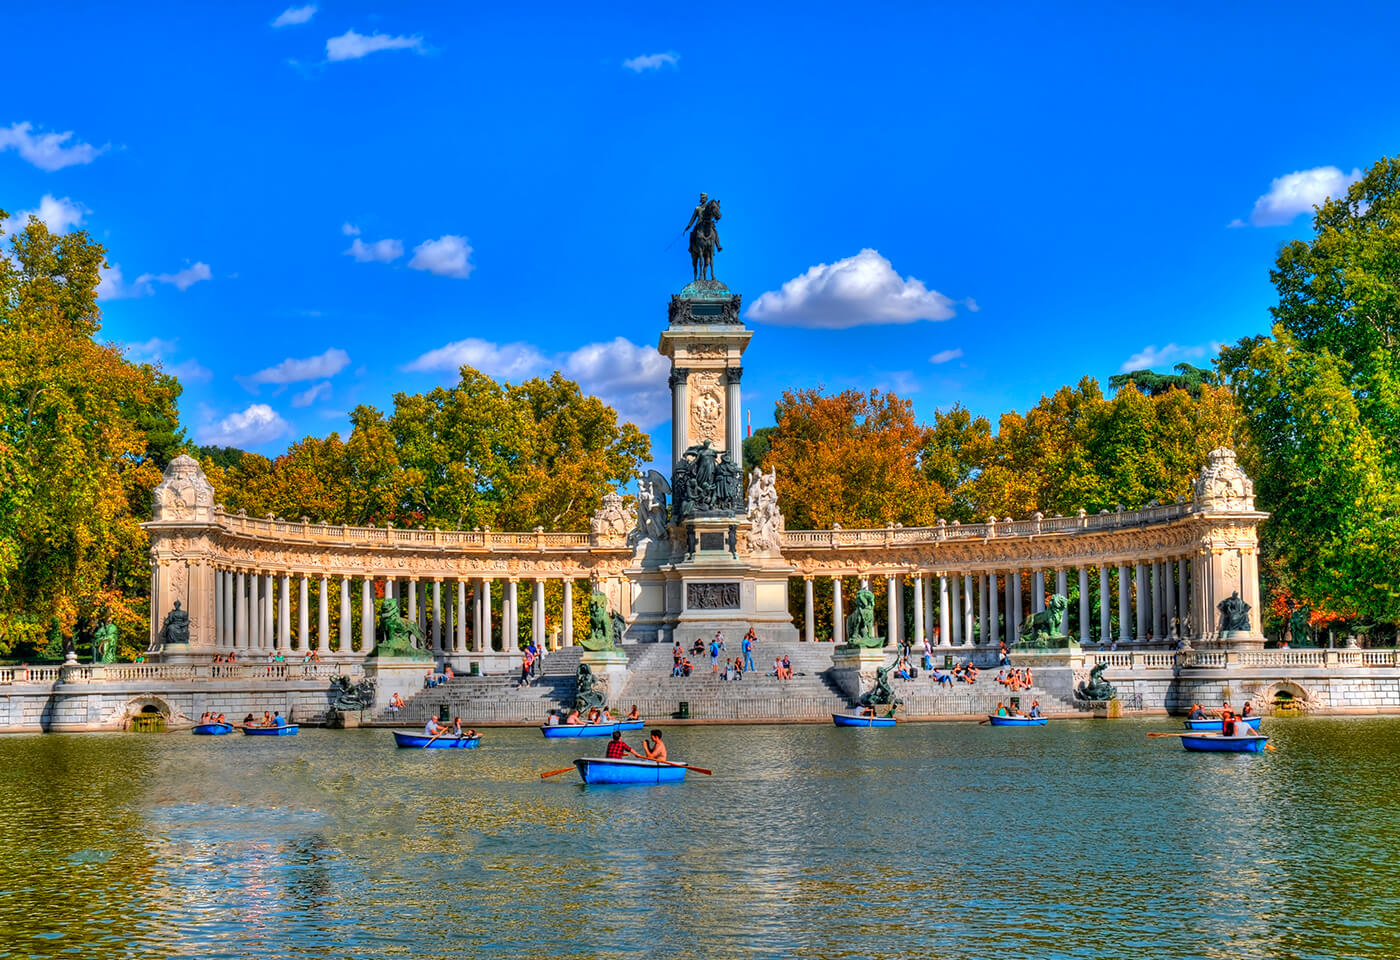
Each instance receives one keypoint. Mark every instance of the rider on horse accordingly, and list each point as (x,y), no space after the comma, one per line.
(703,221)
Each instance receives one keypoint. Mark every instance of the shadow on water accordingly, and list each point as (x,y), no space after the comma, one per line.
(1080,839)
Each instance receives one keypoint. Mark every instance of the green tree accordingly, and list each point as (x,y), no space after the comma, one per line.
(84,435)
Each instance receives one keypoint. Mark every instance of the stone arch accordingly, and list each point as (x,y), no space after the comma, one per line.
(148,704)
(1286,696)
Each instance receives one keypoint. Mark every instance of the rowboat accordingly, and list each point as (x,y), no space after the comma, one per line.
(412,738)
(1017,721)
(851,720)
(286,730)
(1219,743)
(212,729)
(1214,726)
(600,770)
(588,729)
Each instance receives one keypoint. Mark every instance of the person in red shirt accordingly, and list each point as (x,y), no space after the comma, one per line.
(618,748)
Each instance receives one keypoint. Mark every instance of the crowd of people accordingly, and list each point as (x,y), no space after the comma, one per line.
(1015,679)
(1003,711)
(268,720)
(594,715)
(207,717)
(733,668)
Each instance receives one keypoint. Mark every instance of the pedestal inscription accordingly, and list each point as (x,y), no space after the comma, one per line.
(712,596)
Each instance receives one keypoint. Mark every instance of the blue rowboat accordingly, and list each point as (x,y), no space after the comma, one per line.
(1017,721)
(1214,726)
(1219,743)
(287,730)
(411,738)
(630,724)
(849,720)
(212,729)
(600,770)
(586,729)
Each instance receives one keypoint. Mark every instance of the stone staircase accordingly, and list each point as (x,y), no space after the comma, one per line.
(496,698)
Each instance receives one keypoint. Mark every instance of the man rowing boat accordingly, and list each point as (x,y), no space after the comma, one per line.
(655,749)
(618,748)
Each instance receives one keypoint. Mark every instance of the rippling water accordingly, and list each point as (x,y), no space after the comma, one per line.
(1083,839)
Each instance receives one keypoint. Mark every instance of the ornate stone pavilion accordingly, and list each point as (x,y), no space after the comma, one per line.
(705,549)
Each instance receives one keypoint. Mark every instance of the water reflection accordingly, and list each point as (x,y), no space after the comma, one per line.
(1078,840)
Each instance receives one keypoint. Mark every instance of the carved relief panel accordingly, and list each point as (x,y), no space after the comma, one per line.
(706,407)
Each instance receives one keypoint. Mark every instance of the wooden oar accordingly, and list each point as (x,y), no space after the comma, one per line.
(708,773)
(435,736)
(555,773)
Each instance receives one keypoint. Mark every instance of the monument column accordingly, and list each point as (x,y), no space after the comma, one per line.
(1105,614)
(460,646)
(230,611)
(537,615)
(984,610)
(346,624)
(323,618)
(218,608)
(254,609)
(733,410)
(1086,632)
(967,599)
(240,611)
(945,635)
(438,644)
(838,632)
(1125,594)
(510,626)
(809,629)
(918,608)
(487,641)
(994,611)
(1169,598)
(269,599)
(366,616)
(1183,614)
(1037,590)
(412,612)
(304,614)
(566,624)
(1142,601)
(680,411)
(1017,610)
(1062,586)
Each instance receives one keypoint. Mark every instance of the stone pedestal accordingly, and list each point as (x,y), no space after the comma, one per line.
(1232,640)
(609,672)
(392,675)
(853,668)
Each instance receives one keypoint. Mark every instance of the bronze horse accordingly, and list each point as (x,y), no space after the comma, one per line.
(703,242)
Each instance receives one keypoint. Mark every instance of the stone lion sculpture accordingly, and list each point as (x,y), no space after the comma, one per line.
(402,638)
(860,625)
(600,624)
(1040,629)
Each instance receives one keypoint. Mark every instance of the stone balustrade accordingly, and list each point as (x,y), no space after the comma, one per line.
(128,672)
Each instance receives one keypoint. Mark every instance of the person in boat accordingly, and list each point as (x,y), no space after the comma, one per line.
(573,719)
(866,712)
(654,748)
(1035,709)
(1198,712)
(1248,710)
(278,720)
(618,748)
(266,720)
(432,728)
(553,720)
(634,713)
(1001,709)
(249,721)
(1227,720)
(595,715)
(457,727)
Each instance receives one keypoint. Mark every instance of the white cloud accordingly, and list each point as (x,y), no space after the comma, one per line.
(1299,192)
(158,351)
(182,280)
(59,216)
(508,360)
(150,351)
(112,286)
(627,377)
(46,151)
(1151,357)
(447,256)
(381,251)
(652,61)
(190,371)
(259,423)
(859,290)
(943,356)
(295,15)
(311,394)
(292,370)
(351,45)
(349,229)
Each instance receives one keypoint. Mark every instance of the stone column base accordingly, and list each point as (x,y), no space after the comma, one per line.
(853,668)
(609,671)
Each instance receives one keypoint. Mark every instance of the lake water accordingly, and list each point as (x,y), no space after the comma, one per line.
(1083,839)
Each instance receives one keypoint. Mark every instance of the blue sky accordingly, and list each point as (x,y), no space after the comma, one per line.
(964,205)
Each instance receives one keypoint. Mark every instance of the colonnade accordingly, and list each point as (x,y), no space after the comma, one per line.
(253,612)
(987,605)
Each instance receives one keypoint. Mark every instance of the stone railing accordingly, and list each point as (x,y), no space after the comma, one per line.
(1132,659)
(1303,657)
(325,533)
(136,672)
(892,536)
